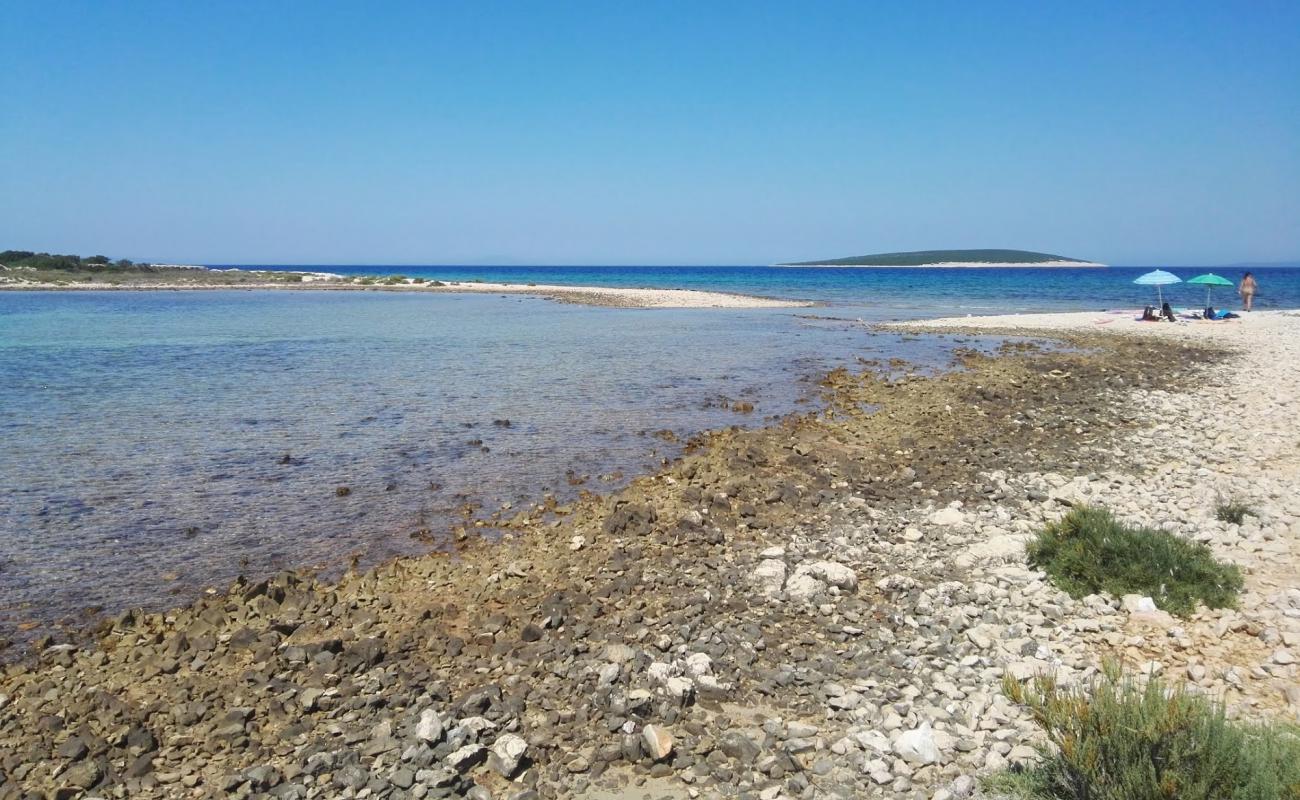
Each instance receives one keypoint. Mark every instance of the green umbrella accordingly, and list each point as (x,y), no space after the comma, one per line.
(1209,280)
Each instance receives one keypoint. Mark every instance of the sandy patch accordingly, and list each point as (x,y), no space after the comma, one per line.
(607,296)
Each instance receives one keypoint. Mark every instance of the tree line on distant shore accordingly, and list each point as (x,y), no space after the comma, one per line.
(52,261)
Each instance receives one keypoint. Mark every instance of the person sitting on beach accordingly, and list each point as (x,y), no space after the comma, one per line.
(1167,312)
(1208,313)
(1149,314)
(1247,289)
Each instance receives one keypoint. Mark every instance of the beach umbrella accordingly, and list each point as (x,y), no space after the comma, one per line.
(1158,278)
(1209,280)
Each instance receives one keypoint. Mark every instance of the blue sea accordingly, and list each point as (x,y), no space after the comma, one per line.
(890,293)
(154,444)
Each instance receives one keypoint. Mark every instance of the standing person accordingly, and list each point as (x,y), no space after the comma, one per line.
(1247,289)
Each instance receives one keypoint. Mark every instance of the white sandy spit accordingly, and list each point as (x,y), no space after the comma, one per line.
(583,295)
(627,297)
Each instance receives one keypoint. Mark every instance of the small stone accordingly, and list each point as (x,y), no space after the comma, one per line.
(1137,604)
(1022,754)
(962,787)
(800,730)
(658,742)
(429,728)
(770,576)
(679,687)
(83,775)
(507,752)
(263,776)
(310,697)
(803,586)
(917,746)
(619,653)
(577,764)
(74,749)
(834,573)
(1292,695)
(980,636)
(698,664)
(466,758)
(947,516)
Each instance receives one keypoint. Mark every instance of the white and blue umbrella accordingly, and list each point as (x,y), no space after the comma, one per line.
(1157,279)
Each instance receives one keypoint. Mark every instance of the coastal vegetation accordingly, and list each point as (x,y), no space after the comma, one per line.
(921,258)
(1233,511)
(15,259)
(1118,739)
(26,267)
(1089,551)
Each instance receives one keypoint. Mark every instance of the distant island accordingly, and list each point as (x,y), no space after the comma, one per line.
(951,258)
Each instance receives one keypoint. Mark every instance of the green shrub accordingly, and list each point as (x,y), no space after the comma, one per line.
(1116,740)
(1089,551)
(1233,511)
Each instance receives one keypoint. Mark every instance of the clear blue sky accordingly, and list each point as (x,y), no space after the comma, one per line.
(655,132)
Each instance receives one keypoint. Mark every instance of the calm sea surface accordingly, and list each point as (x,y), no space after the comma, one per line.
(154,443)
(895,292)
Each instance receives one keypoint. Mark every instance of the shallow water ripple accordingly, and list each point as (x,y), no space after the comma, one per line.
(156,443)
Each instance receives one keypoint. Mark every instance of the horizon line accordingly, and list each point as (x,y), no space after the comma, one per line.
(1284,264)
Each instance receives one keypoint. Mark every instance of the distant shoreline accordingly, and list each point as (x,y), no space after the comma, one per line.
(604,296)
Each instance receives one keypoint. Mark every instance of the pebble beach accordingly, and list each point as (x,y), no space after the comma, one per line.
(824,607)
(650,402)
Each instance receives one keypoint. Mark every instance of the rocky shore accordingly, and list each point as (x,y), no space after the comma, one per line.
(822,608)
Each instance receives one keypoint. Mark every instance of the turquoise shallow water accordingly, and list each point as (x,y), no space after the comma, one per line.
(159,442)
(154,443)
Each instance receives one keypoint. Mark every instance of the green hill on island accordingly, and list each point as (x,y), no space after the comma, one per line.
(924,258)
